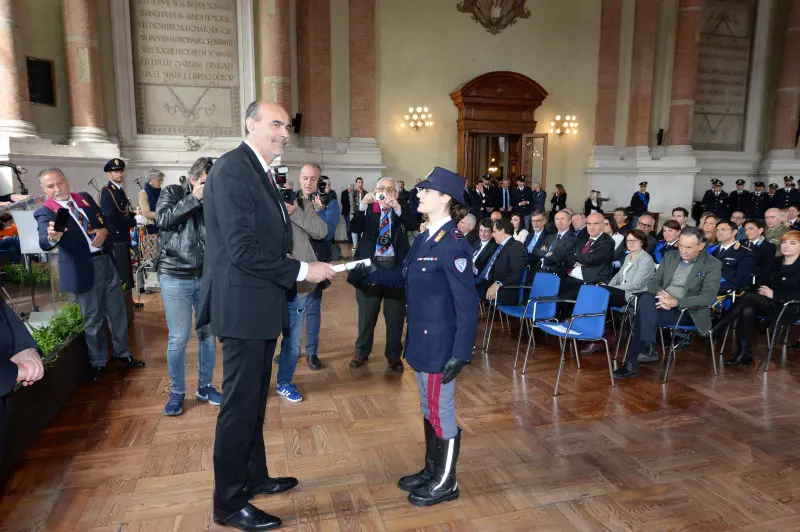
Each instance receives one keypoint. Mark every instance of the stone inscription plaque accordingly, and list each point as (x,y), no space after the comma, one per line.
(186,67)
(726,37)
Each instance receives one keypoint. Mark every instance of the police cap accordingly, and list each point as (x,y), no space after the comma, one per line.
(758,184)
(643,184)
(717,182)
(773,186)
(446,182)
(113,165)
(788,179)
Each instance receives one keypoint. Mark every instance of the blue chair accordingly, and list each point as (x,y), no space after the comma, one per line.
(487,332)
(691,329)
(586,324)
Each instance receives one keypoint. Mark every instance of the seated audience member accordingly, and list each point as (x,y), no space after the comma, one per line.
(670,232)
(558,247)
(579,226)
(737,260)
(520,233)
(646,224)
(496,216)
(623,220)
(708,224)
(689,278)
(738,218)
(483,249)
(610,228)
(9,238)
(592,262)
(776,228)
(783,285)
(763,250)
(467,226)
(536,239)
(505,267)
(680,215)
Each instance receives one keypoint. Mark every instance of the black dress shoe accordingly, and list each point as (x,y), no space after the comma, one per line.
(396,365)
(357,362)
(744,358)
(626,371)
(314,363)
(249,519)
(130,361)
(275,485)
(96,373)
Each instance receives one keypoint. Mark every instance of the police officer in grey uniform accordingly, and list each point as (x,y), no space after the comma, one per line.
(442,321)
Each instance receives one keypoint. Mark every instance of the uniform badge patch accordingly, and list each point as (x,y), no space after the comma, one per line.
(461,265)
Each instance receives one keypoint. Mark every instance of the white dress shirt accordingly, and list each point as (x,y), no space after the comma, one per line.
(434,228)
(301,275)
(89,239)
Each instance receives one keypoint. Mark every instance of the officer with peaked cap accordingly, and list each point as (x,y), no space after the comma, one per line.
(773,189)
(115,204)
(442,321)
(759,202)
(716,200)
(640,200)
(739,199)
(788,195)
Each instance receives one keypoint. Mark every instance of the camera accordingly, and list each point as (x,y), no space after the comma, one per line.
(281,173)
(380,196)
(321,193)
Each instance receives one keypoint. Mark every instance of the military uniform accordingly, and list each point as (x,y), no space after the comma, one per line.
(442,321)
(640,201)
(771,195)
(759,202)
(116,207)
(716,201)
(739,200)
(787,196)
(737,267)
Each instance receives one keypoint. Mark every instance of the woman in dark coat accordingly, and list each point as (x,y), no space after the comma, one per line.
(558,201)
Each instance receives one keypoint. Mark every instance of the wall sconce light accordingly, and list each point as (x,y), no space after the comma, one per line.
(418,118)
(566,126)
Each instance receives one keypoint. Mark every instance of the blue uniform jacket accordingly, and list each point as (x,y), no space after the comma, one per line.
(118,213)
(738,264)
(75,270)
(441,300)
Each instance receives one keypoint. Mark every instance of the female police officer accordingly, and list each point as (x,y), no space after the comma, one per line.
(442,319)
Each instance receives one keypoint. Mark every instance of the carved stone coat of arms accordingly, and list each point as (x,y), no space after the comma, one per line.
(494,15)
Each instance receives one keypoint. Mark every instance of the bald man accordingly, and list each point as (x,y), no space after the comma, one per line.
(592,261)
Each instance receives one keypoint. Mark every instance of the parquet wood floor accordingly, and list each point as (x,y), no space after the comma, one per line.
(700,453)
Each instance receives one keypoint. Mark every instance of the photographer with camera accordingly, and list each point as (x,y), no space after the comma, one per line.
(307,224)
(328,209)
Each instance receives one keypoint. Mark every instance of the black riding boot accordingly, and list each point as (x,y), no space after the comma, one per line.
(744,358)
(442,485)
(410,482)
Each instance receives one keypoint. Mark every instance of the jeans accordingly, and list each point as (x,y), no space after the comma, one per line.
(180,296)
(304,309)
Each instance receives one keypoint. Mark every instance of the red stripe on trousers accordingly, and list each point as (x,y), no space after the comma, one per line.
(434,387)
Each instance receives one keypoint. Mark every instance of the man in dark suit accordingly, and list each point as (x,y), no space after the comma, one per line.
(504,268)
(739,199)
(467,227)
(503,198)
(482,249)
(345,201)
(579,227)
(788,195)
(646,224)
(384,241)
(558,247)
(85,268)
(480,201)
(535,239)
(247,278)
(592,262)
(521,200)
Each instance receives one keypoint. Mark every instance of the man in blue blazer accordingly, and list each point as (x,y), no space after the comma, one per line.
(535,239)
(86,269)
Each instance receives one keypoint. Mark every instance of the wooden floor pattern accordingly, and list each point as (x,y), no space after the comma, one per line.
(700,453)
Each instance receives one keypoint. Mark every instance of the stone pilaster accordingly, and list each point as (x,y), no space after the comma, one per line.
(15,108)
(608,73)
(276,54)
(787,98)
(314,66)
(684,77)
(362,68)
(644,52)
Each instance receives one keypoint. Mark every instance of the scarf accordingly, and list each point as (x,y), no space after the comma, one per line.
(152,195)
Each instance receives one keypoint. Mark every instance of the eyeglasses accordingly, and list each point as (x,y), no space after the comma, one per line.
(633,241)
(385,189)
(640,224)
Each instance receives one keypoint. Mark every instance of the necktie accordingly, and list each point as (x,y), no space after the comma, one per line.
(584,251)
(488,268)
(384,238)
(554,242)
(505,198)
(532,245)
(80,217)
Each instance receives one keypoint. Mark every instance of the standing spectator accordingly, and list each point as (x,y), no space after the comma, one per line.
(384,241)
(640,200)
(521,201)
(503,198)
(357,217)
(788,195)
(402,194)
(538,197)
(593,203)
(182,243)
(759,201)
(716,200)
(739,199)
(148,198)
(86,269)
(558,201)
(117,212)
(346,208)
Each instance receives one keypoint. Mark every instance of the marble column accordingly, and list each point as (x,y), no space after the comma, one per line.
(787,97)
(362,68)
(83,71)
(644,52)
(15,110)
(276,55)
(314,66)
(684,75)
(608,73)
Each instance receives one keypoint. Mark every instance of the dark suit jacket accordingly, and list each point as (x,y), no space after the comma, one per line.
(530,257)
(345,201)
(557,253)
(472,237)
(517,196)
(497,197)
(764,254)
(119,216)
(507,269)
(75,270)
(486,254)
(407,221)
(14,338)
(247,274)
(596,262)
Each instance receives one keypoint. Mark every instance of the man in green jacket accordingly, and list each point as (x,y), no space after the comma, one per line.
(688,277)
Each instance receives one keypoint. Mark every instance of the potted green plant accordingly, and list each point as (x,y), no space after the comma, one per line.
(19,274)
(64,354)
